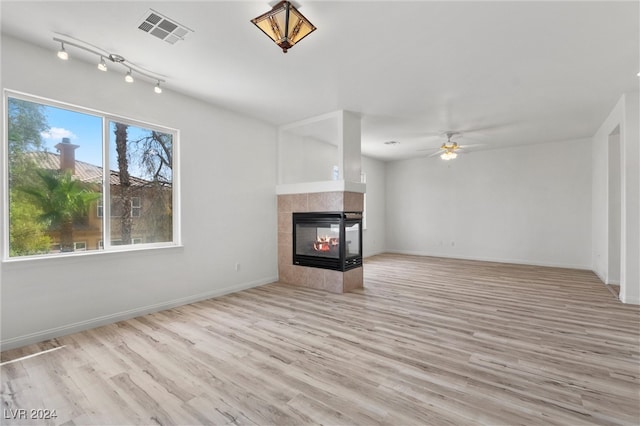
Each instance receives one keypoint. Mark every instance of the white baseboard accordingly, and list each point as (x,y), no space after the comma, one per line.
(40,336)
(490,259)
(629,300)
(374,253)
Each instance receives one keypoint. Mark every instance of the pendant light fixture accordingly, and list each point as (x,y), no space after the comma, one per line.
(284,24)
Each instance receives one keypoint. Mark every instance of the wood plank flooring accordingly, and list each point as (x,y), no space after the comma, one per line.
(427,341)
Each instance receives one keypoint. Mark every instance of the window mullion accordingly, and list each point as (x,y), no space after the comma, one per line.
(106,186)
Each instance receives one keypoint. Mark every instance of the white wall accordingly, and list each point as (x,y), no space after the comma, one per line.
(529,204)
(374,236)
(351,156)
(625,114)
(308,150)
(228,209)
(305,159)
(614,195)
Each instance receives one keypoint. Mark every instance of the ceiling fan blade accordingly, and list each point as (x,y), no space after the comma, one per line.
(473,145)
(484,128)
(439,152)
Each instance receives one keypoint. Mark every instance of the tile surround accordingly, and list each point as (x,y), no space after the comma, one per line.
(322,279)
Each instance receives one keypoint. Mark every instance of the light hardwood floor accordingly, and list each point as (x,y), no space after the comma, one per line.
(427,341)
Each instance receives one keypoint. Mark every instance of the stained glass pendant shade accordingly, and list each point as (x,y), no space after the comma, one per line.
(284,24)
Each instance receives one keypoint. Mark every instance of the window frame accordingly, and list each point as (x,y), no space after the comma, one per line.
(76,243)
(107,118)
(136,210)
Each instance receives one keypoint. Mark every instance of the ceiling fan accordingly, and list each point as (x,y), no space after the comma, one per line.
(450,149)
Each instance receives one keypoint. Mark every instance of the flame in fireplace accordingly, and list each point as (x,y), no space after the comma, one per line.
(325,243)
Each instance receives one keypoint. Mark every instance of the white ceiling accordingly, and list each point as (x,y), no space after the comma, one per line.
(502,73)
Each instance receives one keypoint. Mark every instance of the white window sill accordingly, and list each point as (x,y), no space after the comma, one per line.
(142,249)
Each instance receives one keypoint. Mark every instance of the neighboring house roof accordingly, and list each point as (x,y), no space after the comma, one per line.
(84,172)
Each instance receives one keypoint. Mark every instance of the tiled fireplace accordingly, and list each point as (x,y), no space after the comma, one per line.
(337,277)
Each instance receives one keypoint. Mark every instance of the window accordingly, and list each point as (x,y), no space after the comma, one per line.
(142,174)
(80,180)
(136,207)
(116,207)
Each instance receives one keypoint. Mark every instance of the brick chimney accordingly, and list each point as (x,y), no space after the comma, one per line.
(67,155)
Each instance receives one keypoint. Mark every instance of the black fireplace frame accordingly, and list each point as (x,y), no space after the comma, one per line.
(344,219)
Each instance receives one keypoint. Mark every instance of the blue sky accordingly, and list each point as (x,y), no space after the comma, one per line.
(84,130)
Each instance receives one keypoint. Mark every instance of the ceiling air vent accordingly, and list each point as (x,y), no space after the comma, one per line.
(163,28)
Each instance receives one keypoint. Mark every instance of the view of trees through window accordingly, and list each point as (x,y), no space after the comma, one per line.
(57,200)
(141,178)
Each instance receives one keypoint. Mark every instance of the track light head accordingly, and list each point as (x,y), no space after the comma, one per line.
(102,66)
(62,54)
(104,56)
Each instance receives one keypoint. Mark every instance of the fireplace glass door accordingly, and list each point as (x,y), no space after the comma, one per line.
(331,240)
(352,239)
(318,239)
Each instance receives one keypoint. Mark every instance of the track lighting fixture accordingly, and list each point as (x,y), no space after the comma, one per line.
(104,55)
(62,53)
(102,66)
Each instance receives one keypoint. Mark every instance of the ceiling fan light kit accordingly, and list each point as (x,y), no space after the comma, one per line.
(284,24)
(449,154)
(448,150)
